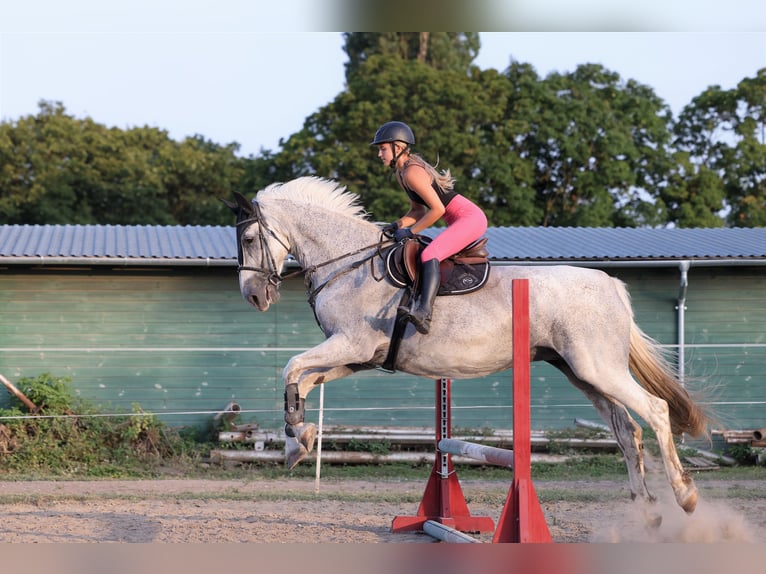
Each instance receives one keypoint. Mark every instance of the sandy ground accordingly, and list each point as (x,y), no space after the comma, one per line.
(214,511)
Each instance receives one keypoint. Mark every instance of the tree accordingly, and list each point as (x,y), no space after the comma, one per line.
(595,145)
(454,51)
(55,168)
(745,174)
(574,149)
(445,108)
(721,157)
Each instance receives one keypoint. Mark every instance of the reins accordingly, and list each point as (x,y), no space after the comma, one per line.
(312,293)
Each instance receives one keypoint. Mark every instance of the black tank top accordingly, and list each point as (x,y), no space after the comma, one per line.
(444,196)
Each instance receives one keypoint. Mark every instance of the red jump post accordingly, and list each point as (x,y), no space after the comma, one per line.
(443,500)
(522,518)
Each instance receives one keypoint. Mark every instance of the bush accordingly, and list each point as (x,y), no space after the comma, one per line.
(66,436)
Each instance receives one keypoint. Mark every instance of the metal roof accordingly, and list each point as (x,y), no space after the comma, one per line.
(127,244)
(624,244)
(209,245)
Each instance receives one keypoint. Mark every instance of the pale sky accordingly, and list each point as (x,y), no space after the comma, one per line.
(209,72)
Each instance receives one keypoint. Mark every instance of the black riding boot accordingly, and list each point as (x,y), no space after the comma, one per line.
(420,311)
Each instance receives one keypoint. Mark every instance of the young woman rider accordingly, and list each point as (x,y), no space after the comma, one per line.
(432,198)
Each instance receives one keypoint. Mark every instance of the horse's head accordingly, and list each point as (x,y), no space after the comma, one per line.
(260,254)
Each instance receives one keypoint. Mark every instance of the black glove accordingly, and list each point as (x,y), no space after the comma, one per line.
(403,233)
(390,229)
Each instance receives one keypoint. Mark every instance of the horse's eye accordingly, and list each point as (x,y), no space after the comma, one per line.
(247,239)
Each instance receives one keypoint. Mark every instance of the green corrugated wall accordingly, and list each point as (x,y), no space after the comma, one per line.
(181,343)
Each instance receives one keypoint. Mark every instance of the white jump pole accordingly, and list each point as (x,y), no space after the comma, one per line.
(446,534)
(480,452)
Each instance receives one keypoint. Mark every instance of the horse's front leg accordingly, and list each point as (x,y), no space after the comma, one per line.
(326,362)
(300,435)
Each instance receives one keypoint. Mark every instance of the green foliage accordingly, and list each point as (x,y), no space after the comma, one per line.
(50,394)
(440,50)
(67,437)
(578,148)
(374,447)
(744,454)
(723,136)
(55,168)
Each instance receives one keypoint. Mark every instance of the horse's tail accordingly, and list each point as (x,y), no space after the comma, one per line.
(658,376)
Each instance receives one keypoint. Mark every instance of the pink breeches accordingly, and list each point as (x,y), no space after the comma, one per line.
(465,223)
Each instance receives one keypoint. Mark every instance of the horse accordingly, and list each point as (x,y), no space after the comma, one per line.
(581,322)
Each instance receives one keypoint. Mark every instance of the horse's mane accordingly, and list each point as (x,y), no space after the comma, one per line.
(317,191)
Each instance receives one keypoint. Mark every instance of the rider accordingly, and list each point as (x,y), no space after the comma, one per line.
(432,198)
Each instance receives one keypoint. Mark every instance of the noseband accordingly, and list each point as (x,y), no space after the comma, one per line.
(272,274)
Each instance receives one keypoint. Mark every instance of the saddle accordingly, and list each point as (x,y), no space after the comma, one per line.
(465,272)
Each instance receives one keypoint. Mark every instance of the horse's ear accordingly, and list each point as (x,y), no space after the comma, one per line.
(231,205)
(244,203)
(241,204)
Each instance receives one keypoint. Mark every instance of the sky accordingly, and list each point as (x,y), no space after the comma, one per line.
(243,74)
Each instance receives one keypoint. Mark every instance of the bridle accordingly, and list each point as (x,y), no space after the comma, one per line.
(273,275)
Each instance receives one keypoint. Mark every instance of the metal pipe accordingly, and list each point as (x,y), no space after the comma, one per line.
(346,457)
(538,438)
(635,263)
(43,260)
(488,454)
(339,457)
(447,534)
(591,425)
(681,308)
(47,260)
(229,412)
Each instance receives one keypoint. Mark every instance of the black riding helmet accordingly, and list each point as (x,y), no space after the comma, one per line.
(391,132)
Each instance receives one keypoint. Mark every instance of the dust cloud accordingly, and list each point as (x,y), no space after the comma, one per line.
(712,521)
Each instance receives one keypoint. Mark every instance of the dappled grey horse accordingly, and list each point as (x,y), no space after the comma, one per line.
(581,322)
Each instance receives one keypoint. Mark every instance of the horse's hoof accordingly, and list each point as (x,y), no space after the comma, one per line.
(652,520)
(689,504)
(294,456)
(299,443)
(306,434)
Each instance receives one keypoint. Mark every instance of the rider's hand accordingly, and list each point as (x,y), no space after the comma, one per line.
(390,228)
(401,234)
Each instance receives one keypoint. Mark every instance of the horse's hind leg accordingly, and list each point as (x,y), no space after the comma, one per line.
(627,433)
(629,437)
(655,412)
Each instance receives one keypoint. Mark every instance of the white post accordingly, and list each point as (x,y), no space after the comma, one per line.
(319,439)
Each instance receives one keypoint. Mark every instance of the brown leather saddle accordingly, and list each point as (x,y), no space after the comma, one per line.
(465,272)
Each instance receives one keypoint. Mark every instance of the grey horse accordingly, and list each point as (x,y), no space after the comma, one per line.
(581,322)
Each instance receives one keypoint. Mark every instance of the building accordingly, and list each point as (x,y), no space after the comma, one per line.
(151,317)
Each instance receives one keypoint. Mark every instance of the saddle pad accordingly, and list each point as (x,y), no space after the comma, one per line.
(457,278)
(462,278)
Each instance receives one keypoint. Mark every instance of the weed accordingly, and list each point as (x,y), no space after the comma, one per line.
(60,439)
(744,454)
